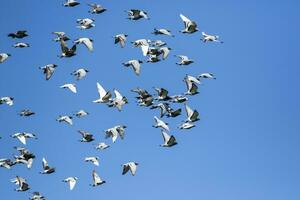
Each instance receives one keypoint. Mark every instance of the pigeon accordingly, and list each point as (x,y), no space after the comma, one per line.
(143,43)
(81,113)
(173,113)
(48,70)
(191,83)
(46,168)
(6,163)
(85,23)
(135,14)
(162,94)
(163,108)
(161,124)
(86,136)
(210,38)
(71,3)
(192,115)
(186,125)
(70,86)
(206,76)
(135,64)
(26,113)
(184,60)
(178,99)
(66,119)
(189,26)
(22,160)
(119,101)
(72,182)
(67,52)
(96,179)
(162,32)
(96,8)
(132,166)
(80,73)
(169,141)
(21,182)
(114,132)
(165,51)
(7,100)
(121,38)
(37,196)
(86,41)
(18,34)
(21,45)
(4,57)
(25,154)
(94,160)
(104,97)
(60,36)
(144,98)
(23,136)
(102,146)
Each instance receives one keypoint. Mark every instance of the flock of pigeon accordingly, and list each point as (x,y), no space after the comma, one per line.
(154,50)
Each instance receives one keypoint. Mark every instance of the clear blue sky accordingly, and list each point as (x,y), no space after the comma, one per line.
(246,145)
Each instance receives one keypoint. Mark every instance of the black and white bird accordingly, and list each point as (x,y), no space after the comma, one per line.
(162,94)
(135,64)
(26,113)
(37,196)
(23,136)
(23,160)
(71,181)
(60,36)
(19,34)
(96,179)
(162,31)
(70,86)
(163,108)
(46,168)
(191,83)
(85,23)
(160,124)
(184,60)
(21,182)
(104,97)
(65,51)
(189,26)
(93,159)
(169,141)
(7,100)
(153,59)
(143,43)
(81,113)
(102,146)
(48,70)
(210,38)
(130,166)
(187,125)
(71,3)
(144,98)
(135,14)
(192,115)
(165,51)
(206,76)
(96,8)
(80,73)
(118,101)
(6,163)
(65,118)
(121,38)
(88,42)
(178,99)
(4,57)
(21,45)
(86,136)
(114,132)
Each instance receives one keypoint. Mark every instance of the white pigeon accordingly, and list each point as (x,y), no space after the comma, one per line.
(162,31)
(184,60)
(104,96)
(210,38)
(102,146)
(206,76)
(86,41)
(7,100)
(70,86)
(85,23)
(186,125)
(37,196)
(192,115)
(96,179)
(71,3)
(160,124)
(169,141)
(132,166)
(189,26)
(66,119)
(72,182)
(135,64)
(80,73)
(121,38)
(81,113)
(23,136)
(94,160)
(6,163)
(4,57)
(21,45)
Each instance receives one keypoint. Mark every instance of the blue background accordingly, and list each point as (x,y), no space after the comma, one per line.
(246,145)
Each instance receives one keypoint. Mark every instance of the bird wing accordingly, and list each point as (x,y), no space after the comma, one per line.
(22,139)
(72,183)
(118,95)
(145,49)
(136,67)
(45,164)
(96,178)
(165,52)
(166,136)
(49,71)
(101,90)
(133,168)
(63,46)
(185,20)
(189,111)
(172,140)
(126,168)
(72,87)
(88,43)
